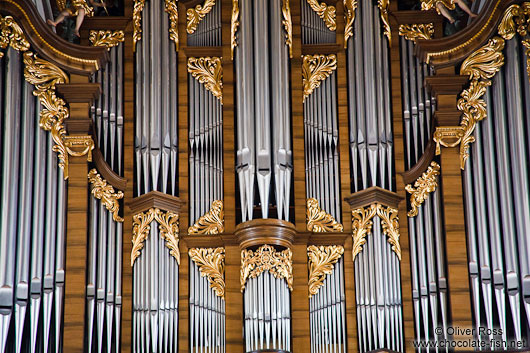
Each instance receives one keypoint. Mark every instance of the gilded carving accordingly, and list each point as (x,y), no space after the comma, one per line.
(319,221)
(288,26)
(172,10)
(321,261)
(107,39)
(349,17)
(432,4)
(325,12)
(266,258)
(101,190)
(383,8)
(208,71)
(526,44)
(390,224)
(315,69)
(210,223)
(234,23)
(141,227)
(210,262)
(423,186)
(196,14)
(137,21)
(79,145)
(485,62)
(417,31)
(516,19)
(12,35)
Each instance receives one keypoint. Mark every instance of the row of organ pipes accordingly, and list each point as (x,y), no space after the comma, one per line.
(314,29)
(208,30)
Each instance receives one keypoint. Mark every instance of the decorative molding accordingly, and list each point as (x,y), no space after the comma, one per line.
(526,44)
(349,17)
(321,262)
(326,12)
(516,19)
(208,71)
(427,5)
(383,8)
(141,227)
(414,32)
(107,38)
(105,192)
(137,21)
(11,34)
(424,185)
(210,262)
(390,224)
(171,9)
(196,14)
(319,221)
(234,24)
(266,258)
(78,146)
(315,69)
(288,26)
(261,231)
(211,222)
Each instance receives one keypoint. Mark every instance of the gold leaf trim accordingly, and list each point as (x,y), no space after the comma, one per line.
(526,44)
(107,39)
(383,7)
(105,192)
(168,223)
(315,69)
(319,221)
(172,10)
(141,227)
(349,18)
(485,62)
(390,224)
(234,24)
(266,258)
(79,145)
(288,26)
(417,31)
(11,34)
(137,21)
(195,15)
(210,262)
(424,185)
(208,71)
(515,20)
(321,262)
(325,12)
(210,223)
(432,4)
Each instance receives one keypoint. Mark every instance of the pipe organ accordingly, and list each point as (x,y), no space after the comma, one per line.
(265,176)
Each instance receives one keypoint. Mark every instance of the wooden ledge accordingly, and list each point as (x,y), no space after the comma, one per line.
(106,171)
(265,231)
(416,17)
(79,92)
(155,199)
(446,84)
(113,23)
(372,195)
(326,49)
(411,175)
(200,52)
(202,241)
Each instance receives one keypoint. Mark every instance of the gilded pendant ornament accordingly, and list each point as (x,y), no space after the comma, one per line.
(288,26)
(424,185)
(315,69)
(107,39)
(210,223)
(234,23)
(196,14)
(414,32)
(101,190)
(79,145)
(349,17)
(325,12)
(141,227)
(137,21)
(210,262)
(319,221)
(526,44)
(208,71)
(172,10)
(383,8)
(390,224)
(432,4)
(11,34)
(321,262)
(266,258)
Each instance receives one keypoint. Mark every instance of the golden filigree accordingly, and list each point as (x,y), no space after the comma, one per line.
(516,19)
(433,4)
(321,261)
(349,17)
(266,258)
(210,223)
(315,69)
(172,10)
(137,21)
(325,12)
(383,8)
(423,186)
(107,39)
(141,227)
(414,32)
(11,34)
(526,44)
(485,62)
(447,136)
(390,224)
(210,262)
(105,192)
(168,224)
(79,145)
(196,14)
(319,221)
(288,26)
(234,23)
(208,71)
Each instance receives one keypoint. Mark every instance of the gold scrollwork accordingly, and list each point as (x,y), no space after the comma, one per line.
(137,21)
(196,14)
(208,71)
(315,69)
(79,145)
(210,262)
(211,222)
(234,23)
(266,258)
(417,31)
(383,8)
(485,62)
(433,4)
(325,12)
(423,186)
(288,26)
(321,261)
(390,224)
(105,192)
(319,221)
(12,35)
(107,39)
(516,19)
(172,10)
(349,17)
(141,227)
(526,44)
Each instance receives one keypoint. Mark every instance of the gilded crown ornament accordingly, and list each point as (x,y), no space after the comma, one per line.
(210,223)
(424,185)
(315,69)
(321,262)
(208,71)
(210,262)
(101,190)
(266,258)
(319,221)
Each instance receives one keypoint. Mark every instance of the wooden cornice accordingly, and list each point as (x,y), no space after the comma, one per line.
(372,195)
(415,17)
(449,51)
(200,52)
(79,92)
(411,175)
(446,84)
(106,171)
(71,57)
(155,199)
(326,49)
(265,231)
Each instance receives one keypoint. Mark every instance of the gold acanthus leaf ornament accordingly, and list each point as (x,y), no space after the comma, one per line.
(234,24)
(315,69)
(383,8)
(208,71)
(485,62)
(414,32)
(319,221)
(349,17)
(141,228)
(321,262)
(107,39)
(433,4)
(210,223)
(423,186)
(171,9)
(266,258)
(11,34)
(210,262)
(196,14)
(137,21)
(326,12)
(288,26)
(516,19)
(390,224)
(101,190)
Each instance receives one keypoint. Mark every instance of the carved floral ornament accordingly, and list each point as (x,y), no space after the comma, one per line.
(170,7)
(315,69)
(321,263)
(105,192)
(210,223)
(107,38)
(349,17)
(266,258)
(423,186)
(208,71)
(168,223)
(12,35)
(319,221)
(326,12)
(414,32)
(196,14)
(432,4)
(210,262)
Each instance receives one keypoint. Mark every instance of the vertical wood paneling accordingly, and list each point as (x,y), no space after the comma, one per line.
(301,337)
(234,300)
(183,310)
